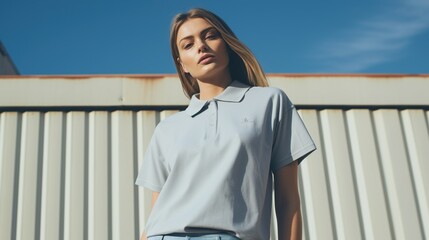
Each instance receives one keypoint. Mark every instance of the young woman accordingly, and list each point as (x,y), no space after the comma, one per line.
(211,166)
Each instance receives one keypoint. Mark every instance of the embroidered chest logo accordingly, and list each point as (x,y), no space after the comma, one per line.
(248,122)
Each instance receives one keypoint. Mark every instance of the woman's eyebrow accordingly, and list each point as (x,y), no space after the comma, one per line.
(204,31)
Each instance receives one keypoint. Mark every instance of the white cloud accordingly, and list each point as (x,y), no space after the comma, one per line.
(375,40)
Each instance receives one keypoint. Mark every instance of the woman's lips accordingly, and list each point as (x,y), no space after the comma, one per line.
(205,59)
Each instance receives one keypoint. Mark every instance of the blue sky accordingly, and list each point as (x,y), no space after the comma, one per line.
(47,37)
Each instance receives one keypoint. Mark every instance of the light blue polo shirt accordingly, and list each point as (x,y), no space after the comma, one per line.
(213,162)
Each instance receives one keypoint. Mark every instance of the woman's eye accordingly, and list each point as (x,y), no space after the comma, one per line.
(211,36)
(187,45)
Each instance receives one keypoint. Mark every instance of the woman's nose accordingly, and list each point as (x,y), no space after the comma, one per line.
(202,47)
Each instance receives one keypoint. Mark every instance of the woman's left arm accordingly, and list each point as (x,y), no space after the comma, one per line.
(287,202)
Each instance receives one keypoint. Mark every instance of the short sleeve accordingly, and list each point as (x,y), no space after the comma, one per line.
(154,170)
(291,139)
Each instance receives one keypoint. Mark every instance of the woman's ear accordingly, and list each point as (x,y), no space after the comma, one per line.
(182,65)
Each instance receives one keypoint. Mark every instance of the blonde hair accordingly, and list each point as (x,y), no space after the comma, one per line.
(243,65)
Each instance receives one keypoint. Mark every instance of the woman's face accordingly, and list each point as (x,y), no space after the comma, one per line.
(202,51)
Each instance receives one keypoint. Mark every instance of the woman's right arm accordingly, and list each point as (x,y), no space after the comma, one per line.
(154,198)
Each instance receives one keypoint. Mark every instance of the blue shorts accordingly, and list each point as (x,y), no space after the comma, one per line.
(194,237)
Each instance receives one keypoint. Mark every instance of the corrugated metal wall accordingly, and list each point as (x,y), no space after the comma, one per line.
(69,174)
(367,181)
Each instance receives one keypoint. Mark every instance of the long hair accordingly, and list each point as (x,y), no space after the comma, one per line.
(243,65)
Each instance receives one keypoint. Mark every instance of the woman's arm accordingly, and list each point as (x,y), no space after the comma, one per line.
(154,198)
(287,202)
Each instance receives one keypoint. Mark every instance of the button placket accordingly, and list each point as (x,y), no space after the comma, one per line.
(212,118)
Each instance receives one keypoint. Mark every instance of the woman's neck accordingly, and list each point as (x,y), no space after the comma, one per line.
(211,88)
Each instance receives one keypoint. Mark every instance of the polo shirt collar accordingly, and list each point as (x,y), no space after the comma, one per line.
(233,93)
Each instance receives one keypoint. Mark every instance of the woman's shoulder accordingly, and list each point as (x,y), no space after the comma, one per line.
(171,122)
(268,92)
(272,97)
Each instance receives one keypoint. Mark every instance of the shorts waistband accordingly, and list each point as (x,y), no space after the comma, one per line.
(194,237)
